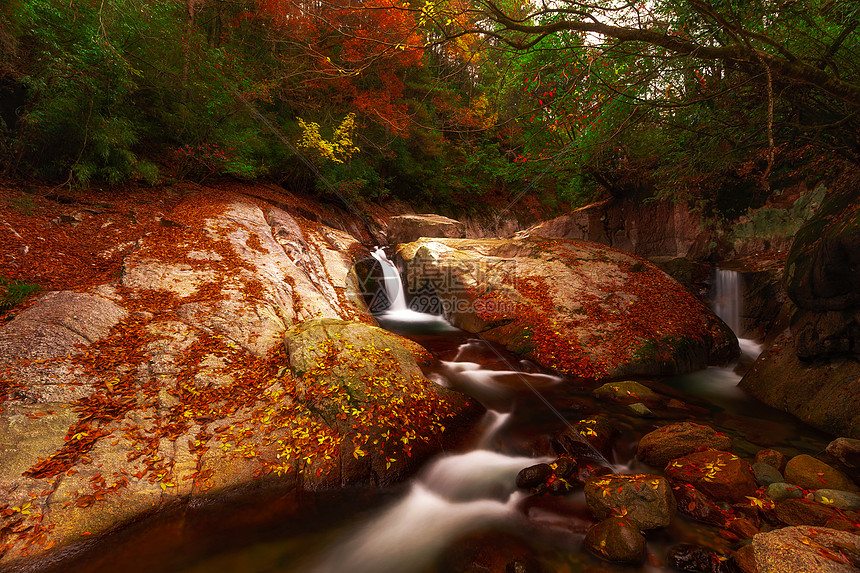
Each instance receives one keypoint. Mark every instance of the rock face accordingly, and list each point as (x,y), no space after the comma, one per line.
(666,229)
(646,499)
(664,444)
(823,393)
(803,548)
(174,383)
(812,371)
(580,308)
(408,228)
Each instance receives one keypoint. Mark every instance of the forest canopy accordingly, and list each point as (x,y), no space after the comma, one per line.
(453,102)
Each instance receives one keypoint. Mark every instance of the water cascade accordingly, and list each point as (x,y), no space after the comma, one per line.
(728,299)
(728,304)
(392,283)
(399,316)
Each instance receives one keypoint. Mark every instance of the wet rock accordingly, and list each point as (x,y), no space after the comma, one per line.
(807,512)
(626,392)
(534,476)
(590,437)
(565,467)
(811,473)
(838,499)
(697,559)
(847,451)
(664,444)
(698,506)
(743,528)
(720,475)
(617,539)
(745,559)
(587,471)
(773,458)
(367,364)
(780,491)
(801,549)
(408,228)
(647,499)
(821,393)
(766,474)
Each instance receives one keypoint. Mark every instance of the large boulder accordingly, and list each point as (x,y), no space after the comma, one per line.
(365,384)
(579,308)
(173,384)
(408,228)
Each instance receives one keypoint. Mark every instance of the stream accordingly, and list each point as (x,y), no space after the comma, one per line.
(462,511)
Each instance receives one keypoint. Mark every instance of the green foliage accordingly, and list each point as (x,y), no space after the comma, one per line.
(13,293)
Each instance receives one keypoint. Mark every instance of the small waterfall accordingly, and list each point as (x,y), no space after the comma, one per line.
(728,298)
(391,281)
(399,317)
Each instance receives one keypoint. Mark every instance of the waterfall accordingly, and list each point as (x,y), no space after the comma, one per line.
(728,299)
(391,281)
(399,317)
(728,303)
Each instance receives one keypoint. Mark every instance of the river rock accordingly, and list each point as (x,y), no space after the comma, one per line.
(580,308)
(811,473)
(697,559)
(773,458)
(838,499)
(664,444)
(626,392)
(617,539)
(640,410)
(408,228)
(534,476)
(780,491)
(720,475)
(766,474)
(696,505)
(808,512)
(802,548)
(646,499)
(590,437)
(847,451)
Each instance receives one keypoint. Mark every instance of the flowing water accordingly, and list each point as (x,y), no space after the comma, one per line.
(462,511)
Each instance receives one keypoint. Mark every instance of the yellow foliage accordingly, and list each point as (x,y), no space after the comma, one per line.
(340,147)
